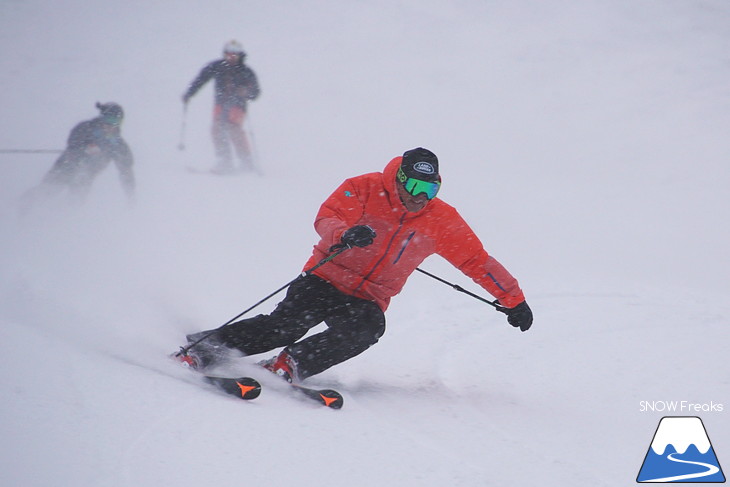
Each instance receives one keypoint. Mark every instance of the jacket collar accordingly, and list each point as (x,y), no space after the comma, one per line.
(389,173)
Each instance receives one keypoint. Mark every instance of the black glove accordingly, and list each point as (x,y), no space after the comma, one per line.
(358,236)
(520,316)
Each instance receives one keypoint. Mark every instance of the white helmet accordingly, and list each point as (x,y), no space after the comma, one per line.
(233,47)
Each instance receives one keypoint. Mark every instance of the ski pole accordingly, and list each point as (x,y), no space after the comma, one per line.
(30,151)
(340,249)
(461,289)
(253,148)
(181,145)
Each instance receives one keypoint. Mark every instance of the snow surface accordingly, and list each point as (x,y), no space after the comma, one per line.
(586,143)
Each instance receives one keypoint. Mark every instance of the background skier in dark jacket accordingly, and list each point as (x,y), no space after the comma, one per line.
(235,85)
(92,145)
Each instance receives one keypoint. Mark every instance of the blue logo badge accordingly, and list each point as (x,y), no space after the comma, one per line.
(348,194)
(681,452)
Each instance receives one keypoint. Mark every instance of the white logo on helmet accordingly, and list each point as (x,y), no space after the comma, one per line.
(424,167)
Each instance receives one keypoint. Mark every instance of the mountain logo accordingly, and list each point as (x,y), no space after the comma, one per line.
(681,452)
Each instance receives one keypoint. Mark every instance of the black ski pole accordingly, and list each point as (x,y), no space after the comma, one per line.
(253,148)
(494,303)
(30,151)
(339,249)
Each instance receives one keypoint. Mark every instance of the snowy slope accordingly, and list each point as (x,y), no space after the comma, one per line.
(585,142)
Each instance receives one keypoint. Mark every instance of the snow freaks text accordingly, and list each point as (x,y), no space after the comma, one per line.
(683,407)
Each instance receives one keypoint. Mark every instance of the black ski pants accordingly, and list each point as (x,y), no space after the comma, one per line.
(353,325)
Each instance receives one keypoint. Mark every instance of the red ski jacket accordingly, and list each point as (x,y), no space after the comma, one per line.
(404,239)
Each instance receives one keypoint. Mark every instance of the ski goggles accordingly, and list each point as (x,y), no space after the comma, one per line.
(112,120)
(417,186)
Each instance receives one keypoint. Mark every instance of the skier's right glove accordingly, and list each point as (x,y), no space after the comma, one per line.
(358,236)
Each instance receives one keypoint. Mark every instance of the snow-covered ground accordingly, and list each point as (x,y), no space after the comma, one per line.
(586,143)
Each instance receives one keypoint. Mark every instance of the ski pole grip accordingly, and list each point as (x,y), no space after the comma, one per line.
(322,262)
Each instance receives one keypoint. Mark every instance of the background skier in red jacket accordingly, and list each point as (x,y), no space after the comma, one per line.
(389,223)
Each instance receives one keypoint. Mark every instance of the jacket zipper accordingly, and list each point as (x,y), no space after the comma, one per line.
(403,249)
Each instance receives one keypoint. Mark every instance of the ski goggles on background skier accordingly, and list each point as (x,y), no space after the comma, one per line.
(112,119)
(417,186)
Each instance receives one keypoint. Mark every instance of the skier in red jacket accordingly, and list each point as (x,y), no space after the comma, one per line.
(389,222)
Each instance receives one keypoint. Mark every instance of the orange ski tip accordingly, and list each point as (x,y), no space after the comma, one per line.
(328,400)
(245,389)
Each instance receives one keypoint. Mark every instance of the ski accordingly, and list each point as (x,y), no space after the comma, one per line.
(326,397)
(241,387)
(246,388)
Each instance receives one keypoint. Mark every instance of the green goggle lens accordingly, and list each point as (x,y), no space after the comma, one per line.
(112,120)
(416,186)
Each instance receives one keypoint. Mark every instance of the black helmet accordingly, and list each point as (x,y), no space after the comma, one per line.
(111,112)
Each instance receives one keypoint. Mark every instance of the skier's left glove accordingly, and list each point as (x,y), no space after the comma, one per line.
(520,316)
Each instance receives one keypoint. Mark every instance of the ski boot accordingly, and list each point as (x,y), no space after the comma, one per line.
(284,366)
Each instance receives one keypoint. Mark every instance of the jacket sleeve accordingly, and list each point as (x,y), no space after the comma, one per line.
(124,161)
(205,75)
(462,248)
(81,136)
(253,90)
(341,210)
